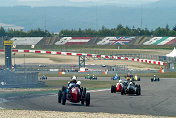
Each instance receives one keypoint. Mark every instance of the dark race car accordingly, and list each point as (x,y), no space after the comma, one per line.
(155,79)
(131,88)
(75,94)
(116,77)
(43,77)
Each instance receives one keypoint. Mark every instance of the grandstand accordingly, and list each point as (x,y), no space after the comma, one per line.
(26,40)
(161,41)
(51,41)
(73,41)
(140,40)
(48,41)
(115,40)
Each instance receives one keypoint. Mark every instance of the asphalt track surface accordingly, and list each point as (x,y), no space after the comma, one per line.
(158,99)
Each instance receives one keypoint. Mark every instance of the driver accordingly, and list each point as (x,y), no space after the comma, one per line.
(88,76)
(129,75)
(72,82)
(154,77)
(120,82)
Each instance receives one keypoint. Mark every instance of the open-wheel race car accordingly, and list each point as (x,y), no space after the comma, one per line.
(44,77)
(131,88)
(116,77)
(93,77)
(136,78)
(117,87)
(75,94)
(154,78)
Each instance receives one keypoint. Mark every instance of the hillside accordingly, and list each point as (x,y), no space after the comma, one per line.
(56,18)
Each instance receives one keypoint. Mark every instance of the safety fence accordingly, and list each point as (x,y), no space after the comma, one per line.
(90,55)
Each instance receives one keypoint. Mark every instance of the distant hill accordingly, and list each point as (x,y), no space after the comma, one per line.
(57,18)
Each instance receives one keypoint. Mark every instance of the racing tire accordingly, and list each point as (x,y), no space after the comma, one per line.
(151,80)
(59,96)
(81,90)
(112,89)
(64,89)
(139,79)
(87,99)
(84,93)
(82,101)
(122,91)
(139,90)
(63,98)
(158,79)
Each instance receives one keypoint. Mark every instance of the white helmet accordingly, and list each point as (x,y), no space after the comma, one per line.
(154,75)
(131,83)
(79,83)
(74,78)
(120,81)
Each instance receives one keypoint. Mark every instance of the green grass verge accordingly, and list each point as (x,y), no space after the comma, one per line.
(88,84)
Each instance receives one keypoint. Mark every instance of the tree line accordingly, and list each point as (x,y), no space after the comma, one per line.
(20,33)
(120,30)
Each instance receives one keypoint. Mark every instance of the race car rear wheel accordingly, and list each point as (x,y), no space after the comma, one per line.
(84,93)
(112,89)
(122,91)
(63,98)
(63,88)
(82,101)
(59,96)
(138,91)
(87,99)
(151,79)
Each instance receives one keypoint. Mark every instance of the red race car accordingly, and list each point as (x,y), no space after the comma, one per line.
(116,88)
(75,94)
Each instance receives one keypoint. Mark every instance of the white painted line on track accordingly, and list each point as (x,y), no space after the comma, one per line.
(94,91)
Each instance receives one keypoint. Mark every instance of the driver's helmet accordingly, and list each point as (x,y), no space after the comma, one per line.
(154,75)
(87,74)
(131,83)
(74,78)
(93,75)
(131,80)
(120,81)
(79,83)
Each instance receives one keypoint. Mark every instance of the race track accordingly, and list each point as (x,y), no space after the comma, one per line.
(158,98)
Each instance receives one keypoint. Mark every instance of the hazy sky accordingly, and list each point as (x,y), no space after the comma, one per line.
(83,3)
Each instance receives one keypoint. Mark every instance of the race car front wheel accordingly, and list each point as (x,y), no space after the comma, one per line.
(59,96)
(63,98)
(87,99)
